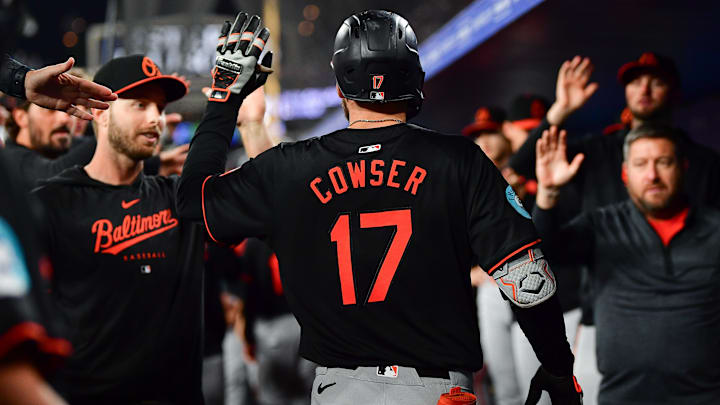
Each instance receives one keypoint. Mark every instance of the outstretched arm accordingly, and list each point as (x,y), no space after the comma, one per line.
(52,87)
(572,91)
(570,243)
(22,384)
(236,74)
(251,126)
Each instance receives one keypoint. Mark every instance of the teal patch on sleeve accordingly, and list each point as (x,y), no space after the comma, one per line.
(14,279)
(515,202)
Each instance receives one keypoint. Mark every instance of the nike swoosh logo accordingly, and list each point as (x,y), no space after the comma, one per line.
(134,241)
(321,388)
(129,204)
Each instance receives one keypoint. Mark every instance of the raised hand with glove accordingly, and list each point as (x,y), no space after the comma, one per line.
(236,74)
(236,70)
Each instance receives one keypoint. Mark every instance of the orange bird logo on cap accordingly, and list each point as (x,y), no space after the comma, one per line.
(149,67)
(537,109)
(648,58)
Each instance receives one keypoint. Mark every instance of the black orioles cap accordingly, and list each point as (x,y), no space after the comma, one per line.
(129,72)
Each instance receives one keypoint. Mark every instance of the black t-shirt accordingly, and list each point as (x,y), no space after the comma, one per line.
(375,231)
(128,281)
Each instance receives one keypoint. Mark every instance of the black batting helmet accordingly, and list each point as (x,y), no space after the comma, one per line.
(376,60)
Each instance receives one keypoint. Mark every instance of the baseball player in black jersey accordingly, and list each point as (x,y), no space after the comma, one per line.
(128,272)
(375,226)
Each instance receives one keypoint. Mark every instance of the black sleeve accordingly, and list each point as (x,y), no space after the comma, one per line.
(544,328)
(207,155)
(12,77)
(499,226)
(238,204)
(568,244)
(523,161)
(34,167)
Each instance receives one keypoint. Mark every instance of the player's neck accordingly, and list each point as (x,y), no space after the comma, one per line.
(365,119)
(23,138)
(110,167)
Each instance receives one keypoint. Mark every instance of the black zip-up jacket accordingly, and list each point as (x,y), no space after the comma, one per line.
(656,306)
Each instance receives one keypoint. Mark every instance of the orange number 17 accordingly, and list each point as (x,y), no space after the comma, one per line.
(340,234)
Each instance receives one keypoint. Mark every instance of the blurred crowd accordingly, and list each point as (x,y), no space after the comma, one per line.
(646,326)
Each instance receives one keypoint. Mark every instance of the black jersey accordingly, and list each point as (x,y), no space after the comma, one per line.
(128,281)
(28,329)
(375,232)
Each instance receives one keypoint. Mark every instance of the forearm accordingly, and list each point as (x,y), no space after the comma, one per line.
(255,138)
(546,197)
(544,328)
(207,155)
(21,384)
(557,114)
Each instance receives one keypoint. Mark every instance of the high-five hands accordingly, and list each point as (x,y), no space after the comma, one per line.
(236,69)
(572,90)
(562,390)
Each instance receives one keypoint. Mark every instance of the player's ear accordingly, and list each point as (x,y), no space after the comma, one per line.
(339,93)
(102,118)
(623,175)
(20,116)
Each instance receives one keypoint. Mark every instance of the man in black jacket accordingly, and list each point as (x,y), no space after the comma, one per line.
(654,265)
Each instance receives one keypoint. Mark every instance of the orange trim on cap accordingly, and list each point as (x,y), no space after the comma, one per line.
(149,79)
(493,268)
(480,126)
(528,123)
(31,331)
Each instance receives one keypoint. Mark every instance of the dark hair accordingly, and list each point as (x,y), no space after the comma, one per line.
(11,126)
(656,131)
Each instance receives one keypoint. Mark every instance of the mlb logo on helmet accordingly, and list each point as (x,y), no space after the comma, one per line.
(145,269)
